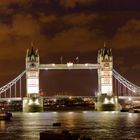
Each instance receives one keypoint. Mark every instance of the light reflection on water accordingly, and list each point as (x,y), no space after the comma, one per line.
(2,125)
(99,125)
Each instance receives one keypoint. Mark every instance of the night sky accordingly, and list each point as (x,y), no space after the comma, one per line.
(69,28)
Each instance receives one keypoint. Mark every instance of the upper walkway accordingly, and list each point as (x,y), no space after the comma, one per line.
(69,66)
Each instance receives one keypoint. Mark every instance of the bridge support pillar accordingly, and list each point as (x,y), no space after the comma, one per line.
(105,97)
(32,104)
(107,103)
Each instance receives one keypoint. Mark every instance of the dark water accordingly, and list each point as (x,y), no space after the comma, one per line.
(99,125)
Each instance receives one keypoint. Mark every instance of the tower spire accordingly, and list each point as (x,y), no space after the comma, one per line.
(32,44)
(104,44)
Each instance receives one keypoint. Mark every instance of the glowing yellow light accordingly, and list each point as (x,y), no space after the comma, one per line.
(33,85)
(86,99)
(106,101)
(70,112)
(25,101)
(86,64)
(53,65)
(134,90)
(69,64)
(70,97)
(116,100)
(9,101)
(36,102)
(2,108)
(84,112)
(54,112)
(112,101)
(30,102)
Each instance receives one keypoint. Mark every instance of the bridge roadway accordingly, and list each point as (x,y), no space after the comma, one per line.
(10,99)
(69,66)
(47,97)
(129,97)
(50,97)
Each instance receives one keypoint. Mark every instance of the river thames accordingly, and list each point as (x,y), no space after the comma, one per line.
(98,125)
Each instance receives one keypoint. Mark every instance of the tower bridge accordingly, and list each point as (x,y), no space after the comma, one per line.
(110,82)
(104,66)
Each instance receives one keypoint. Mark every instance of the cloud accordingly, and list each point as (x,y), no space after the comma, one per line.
(75,39)
(9,2)
(79,19)
(53,24)
(47,18)
(73,3)
(22,26)
(25,26)
(119,60)
(136,67)
(72,19)
(18,36)
(5,31)
(8,8)
(128,35)
(124,70)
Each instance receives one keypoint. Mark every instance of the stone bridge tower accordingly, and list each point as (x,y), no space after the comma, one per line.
(32,72)
(33,102)
(105,77)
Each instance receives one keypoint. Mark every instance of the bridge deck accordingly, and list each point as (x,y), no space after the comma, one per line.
(19,98)
(127,97)
(10,99)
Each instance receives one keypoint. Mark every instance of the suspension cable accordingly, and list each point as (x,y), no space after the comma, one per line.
(132,87)
(10,84)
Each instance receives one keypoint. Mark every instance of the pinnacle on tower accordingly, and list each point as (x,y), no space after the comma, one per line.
(104,44)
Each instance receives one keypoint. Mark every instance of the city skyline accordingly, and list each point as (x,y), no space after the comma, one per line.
(69,29)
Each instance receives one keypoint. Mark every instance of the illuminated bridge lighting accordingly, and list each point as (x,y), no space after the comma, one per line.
(69,64)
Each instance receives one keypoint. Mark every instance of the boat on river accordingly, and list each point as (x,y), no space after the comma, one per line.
(134,111)
(6,116)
